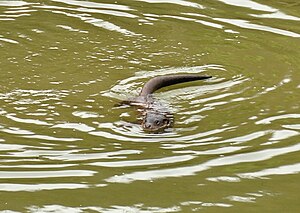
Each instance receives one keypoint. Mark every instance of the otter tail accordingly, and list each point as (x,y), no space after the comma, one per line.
(162,81)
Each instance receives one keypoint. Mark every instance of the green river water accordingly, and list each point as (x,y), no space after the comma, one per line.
(66,147)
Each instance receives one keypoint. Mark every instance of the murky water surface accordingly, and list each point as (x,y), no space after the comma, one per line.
(66,147)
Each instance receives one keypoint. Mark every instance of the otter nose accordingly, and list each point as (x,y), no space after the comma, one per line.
(148,126)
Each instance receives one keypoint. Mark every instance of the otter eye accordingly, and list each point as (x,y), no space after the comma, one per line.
(157,122)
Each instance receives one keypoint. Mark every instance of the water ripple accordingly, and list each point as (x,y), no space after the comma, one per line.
(281,170)
(277,15)
(249,4)
(45,174)
(246,24)
(39,187)
(64,73)
(145,162)
(51,138)
(94,4)
(277,117)
(90,156)
(26,120)
(13,3)
(178,2)
(97,22)
(206,23)
(191,170)
(11,41)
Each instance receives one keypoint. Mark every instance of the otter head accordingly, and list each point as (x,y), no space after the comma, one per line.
(154,121)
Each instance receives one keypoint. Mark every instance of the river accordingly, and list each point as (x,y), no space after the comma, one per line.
(65,146)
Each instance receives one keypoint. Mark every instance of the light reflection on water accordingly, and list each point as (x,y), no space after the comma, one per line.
(66,64)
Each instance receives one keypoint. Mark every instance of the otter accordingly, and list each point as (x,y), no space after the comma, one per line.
(155,117)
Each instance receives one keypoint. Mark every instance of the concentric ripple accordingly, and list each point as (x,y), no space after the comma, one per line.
(66,144)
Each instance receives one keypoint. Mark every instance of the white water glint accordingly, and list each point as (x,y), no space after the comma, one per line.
(191,170)
(178,2)
(39,187)
(93,4)
(13,3)
(249,4)
(281,170)
(45,174)
(248,25)
(277,15)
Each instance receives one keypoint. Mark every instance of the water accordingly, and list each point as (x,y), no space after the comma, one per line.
(65,147)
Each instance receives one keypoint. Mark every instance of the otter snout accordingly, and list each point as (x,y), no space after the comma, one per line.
(154,121)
